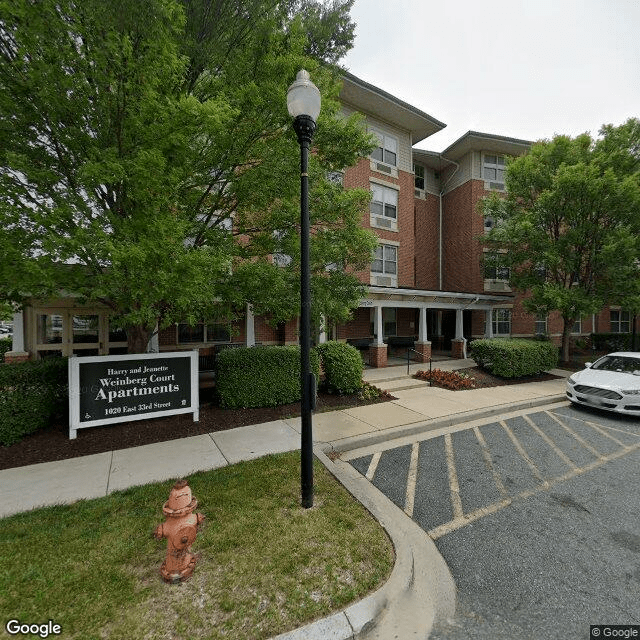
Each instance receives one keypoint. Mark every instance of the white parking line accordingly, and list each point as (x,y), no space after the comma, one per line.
(523,454)
(373,465)
(454,487)
(550,442)
(411,479)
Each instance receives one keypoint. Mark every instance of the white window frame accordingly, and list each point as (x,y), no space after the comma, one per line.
(386,255)
(541,326)
(618,324)
(497,166)
(498,324)
(388,145)
(205,330)
(385,199)
(417,169)
(576,329)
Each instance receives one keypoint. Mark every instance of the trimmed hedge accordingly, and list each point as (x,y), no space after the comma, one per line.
(260,376)
(31,393)
(342,365)
(514,358)
(611,341)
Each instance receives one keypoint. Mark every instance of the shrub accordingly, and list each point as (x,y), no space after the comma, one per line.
(5,345)
(260,376)
(31,393)
(514,358)
(611,341)
(452,380)
(342,366)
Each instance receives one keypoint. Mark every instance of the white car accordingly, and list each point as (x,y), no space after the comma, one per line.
(612,383)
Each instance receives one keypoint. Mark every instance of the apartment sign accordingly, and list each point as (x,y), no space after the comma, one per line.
(109,389)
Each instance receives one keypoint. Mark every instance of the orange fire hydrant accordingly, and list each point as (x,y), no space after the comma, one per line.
(180,530)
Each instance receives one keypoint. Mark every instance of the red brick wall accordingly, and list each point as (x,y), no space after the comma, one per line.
(462,225)
(427,216)
(359,177)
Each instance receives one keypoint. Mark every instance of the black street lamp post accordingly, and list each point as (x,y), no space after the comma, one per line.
(303,102)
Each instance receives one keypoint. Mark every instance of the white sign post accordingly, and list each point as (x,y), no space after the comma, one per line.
(109,389)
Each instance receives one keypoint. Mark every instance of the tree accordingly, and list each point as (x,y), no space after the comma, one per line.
(147,160)
(568,227)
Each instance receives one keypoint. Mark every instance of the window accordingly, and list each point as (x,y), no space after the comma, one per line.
(620,321)
(384,205)
(418,170)
(493,270)
(201,332)
(541,325)
(493,168)
(386,260)
(387,149)
(501,321)
(577,326)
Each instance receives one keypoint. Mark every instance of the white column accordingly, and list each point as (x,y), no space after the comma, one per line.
(250,327)
(378,324)
(488,324)
(18,333)
(154,343)
(322,338)
(459,330)
(422,331)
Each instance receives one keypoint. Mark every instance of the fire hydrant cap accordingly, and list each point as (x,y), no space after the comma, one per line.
(180,500)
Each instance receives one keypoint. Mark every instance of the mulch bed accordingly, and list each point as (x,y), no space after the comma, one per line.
(484,379)
(54,444)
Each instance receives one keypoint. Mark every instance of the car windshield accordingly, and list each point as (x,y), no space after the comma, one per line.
(623,364)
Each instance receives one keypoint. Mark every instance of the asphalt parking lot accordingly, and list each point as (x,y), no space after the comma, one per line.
(537,516)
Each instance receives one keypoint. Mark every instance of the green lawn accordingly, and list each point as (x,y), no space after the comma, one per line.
(265,564)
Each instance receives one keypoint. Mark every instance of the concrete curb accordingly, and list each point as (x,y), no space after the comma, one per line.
(419,582)
(416,428)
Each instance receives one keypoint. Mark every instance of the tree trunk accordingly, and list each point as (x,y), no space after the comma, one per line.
(138,338)
(566,338)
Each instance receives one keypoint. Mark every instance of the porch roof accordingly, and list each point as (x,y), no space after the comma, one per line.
(387,297)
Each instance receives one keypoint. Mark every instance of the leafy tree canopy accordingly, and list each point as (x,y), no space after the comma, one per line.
(147,160)
(570,223)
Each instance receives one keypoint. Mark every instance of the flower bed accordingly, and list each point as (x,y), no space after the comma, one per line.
(452,380)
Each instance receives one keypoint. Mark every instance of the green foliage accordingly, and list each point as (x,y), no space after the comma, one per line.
(31,393)
(569,226)
(140,129)
(611,341)
(260,376)
(5,345)
(342,365)
(514,358)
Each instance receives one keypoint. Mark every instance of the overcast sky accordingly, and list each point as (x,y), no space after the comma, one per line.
(520,68)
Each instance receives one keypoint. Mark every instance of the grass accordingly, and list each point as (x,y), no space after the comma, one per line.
(265,565)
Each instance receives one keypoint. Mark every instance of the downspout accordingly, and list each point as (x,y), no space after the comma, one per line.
(440,238)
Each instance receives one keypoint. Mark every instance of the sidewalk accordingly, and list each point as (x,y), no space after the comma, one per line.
(416,409)
(420,579)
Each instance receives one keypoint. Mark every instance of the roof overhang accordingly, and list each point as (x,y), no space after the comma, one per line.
(387,297)
(476,141)
(431,159)
(368,99)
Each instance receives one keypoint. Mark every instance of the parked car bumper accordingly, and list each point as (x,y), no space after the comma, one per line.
(627,404)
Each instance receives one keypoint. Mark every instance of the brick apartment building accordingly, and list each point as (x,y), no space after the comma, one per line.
(428,287)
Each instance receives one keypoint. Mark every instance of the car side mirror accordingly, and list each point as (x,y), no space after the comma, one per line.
(636,372)
(588,365)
